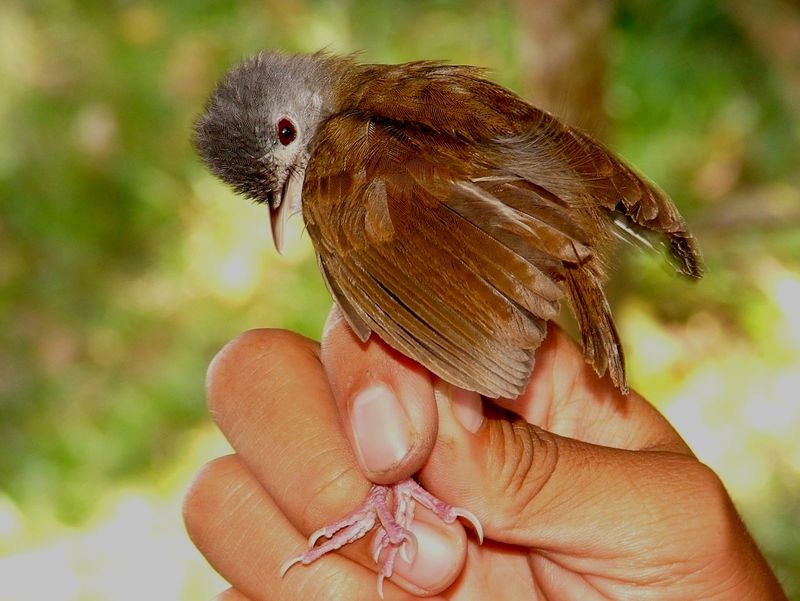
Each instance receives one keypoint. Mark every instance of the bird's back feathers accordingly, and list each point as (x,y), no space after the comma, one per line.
(450,217)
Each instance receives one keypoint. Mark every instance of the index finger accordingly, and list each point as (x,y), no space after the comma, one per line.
(269,397)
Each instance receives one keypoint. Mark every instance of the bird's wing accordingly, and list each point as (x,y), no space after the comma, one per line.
(576,168)
(566,162)
(436,184)
(455,268)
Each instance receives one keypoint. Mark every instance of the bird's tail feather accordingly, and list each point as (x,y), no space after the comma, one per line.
(601,343)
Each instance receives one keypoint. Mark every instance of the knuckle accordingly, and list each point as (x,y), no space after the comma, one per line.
(332,585)
(202,499)
(231,595)
(718,534)
(259,347)
(336,586)
(331,496)
(721,517)
(528,459)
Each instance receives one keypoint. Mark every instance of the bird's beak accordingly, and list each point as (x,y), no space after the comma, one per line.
(283,204)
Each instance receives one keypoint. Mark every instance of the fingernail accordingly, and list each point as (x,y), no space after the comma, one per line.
(434,560)
(467,406)
(381,428)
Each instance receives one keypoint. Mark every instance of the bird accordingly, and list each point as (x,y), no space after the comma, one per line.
(449,218)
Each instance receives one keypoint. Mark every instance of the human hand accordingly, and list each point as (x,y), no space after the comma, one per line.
(583,494)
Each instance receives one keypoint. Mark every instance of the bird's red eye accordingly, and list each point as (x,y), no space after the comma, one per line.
(286,131)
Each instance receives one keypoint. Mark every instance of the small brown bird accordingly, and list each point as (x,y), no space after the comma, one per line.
(448,215)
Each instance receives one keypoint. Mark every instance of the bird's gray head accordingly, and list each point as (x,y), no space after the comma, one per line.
(256,130)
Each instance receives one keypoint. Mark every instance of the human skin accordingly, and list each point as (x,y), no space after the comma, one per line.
(582,493)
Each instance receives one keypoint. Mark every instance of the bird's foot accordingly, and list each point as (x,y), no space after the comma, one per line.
(412,491)
(394,535)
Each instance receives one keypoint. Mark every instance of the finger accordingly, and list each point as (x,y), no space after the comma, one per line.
(385,400)
(245,537)
(231,595)
(534,488)
(269,395)
(565,396)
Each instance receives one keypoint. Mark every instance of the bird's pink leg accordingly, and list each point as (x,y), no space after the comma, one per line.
(393,533)
(404,516)
(354,526)
(447,513)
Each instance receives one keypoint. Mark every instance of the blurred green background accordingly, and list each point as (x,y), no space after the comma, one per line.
(124,266)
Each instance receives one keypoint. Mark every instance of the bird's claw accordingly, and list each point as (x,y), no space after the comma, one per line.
(287,565)
(407,544)
(473,520)
(410,546)
(393,536)
(316,535)
(378,545)
(380,584)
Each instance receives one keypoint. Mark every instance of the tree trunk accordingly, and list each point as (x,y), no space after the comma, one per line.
(564,46)
(773,28)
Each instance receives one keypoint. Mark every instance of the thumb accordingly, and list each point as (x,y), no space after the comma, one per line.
(533,488)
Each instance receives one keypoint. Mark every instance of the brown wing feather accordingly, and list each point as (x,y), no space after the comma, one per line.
(601,345)
(417,272)
(356,318)
(450,98)
(449,216)
(576,168)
